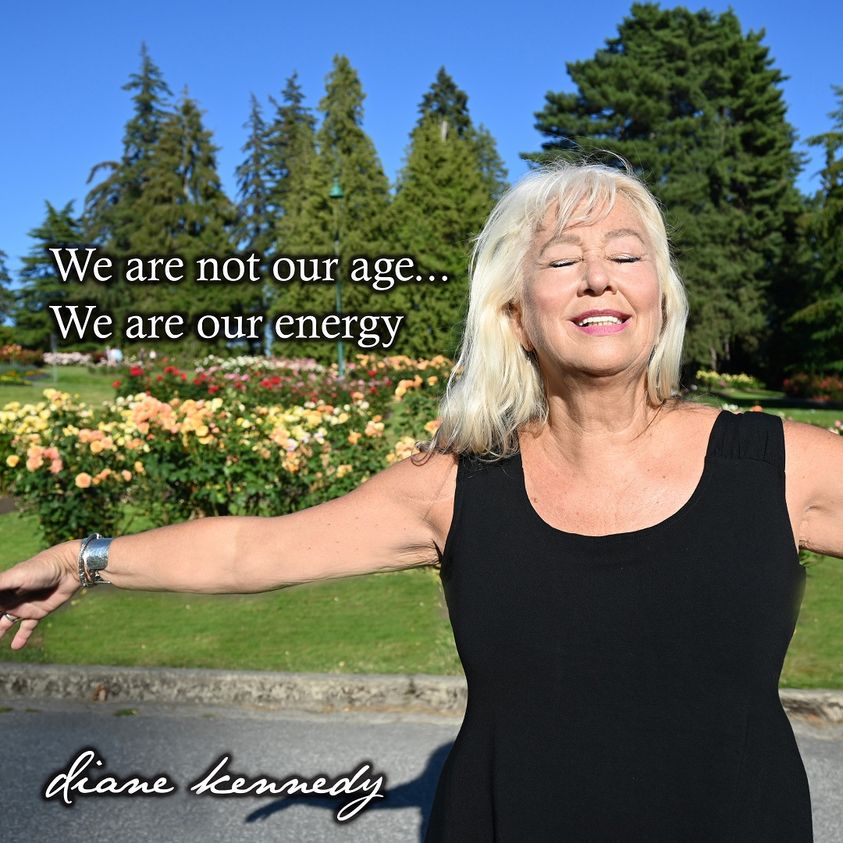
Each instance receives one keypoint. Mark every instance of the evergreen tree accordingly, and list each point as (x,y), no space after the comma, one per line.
(110,216)
(7,296)
(819,323)
(491,164)
(442,198)
(448,102)
(291,145)
(696,107)
(184,211)
(40,284)
(255,218)
(313,222)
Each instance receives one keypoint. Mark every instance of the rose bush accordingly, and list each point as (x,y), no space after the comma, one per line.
(817,387)
(235,452)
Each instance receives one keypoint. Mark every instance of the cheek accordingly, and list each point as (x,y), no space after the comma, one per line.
(537,309)
(543,300)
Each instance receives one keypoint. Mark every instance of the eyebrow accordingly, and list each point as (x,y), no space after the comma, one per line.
(610,235)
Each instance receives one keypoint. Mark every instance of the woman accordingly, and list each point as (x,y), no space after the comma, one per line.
(621,568)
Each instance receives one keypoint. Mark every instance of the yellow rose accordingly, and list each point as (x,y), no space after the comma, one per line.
(83,480)
(12,460)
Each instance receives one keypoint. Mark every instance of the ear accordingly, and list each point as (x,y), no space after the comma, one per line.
(513,310)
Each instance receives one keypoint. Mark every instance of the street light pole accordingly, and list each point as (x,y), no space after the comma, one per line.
(336,194)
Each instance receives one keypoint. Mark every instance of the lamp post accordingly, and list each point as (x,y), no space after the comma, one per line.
(336,195)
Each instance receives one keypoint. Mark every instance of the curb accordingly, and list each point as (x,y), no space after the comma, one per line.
(319,692)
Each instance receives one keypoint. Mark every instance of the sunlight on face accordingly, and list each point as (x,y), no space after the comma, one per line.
(607,267)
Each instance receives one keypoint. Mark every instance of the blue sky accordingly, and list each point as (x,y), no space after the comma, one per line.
(63,65)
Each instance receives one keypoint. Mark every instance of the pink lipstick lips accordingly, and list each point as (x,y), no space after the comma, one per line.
(599,322)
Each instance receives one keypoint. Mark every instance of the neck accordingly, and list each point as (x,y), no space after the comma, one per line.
(596,423)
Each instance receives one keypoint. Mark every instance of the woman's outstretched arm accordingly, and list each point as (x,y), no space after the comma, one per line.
(397,519)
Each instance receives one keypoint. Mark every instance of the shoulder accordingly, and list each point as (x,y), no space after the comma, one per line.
(688,412)
(813,454)
(689,421)
(420,474)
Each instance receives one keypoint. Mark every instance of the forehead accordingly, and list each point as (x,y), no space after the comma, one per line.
(621,216)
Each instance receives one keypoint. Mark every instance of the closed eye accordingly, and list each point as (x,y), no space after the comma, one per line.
(564,262)
(626,259)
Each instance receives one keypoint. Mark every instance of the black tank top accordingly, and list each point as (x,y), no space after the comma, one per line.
(625,687)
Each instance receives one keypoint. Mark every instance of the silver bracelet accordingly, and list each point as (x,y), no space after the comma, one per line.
(93,558)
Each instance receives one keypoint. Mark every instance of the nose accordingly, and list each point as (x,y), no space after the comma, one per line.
(595,275)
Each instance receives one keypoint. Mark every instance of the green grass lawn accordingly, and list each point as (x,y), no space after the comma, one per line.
(381,623)
(815,657)
(809,415)
(92,385)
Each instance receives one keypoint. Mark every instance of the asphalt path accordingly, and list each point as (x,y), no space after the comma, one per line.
(183,743)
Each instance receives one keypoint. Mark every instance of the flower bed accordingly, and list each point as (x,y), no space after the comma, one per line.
(282,381)
(243,449)
(14,353)
(719,380)
(817,387)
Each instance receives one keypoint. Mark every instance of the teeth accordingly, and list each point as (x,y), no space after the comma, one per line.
(599,320)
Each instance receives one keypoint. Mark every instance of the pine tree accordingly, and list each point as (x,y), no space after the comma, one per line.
(112,215)
(818,325)
(696,107)
(491,164)
(184,211)
(7,296)
(109,213)
(255,219)
(448,102)
(313,222)
(450,179)
(291,146)
(40,285)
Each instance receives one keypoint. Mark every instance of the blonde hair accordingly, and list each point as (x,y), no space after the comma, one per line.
(496,387)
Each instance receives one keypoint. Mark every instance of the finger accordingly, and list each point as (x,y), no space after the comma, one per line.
(7,621)
(27,627)
(33,605)
(10,579)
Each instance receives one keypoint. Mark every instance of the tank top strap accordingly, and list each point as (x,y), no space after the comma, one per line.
(748,436)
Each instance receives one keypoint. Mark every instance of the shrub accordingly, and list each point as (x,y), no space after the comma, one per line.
(233,453)
(817,387)
(719,380)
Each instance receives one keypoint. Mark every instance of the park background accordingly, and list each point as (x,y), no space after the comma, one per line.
(196,130)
